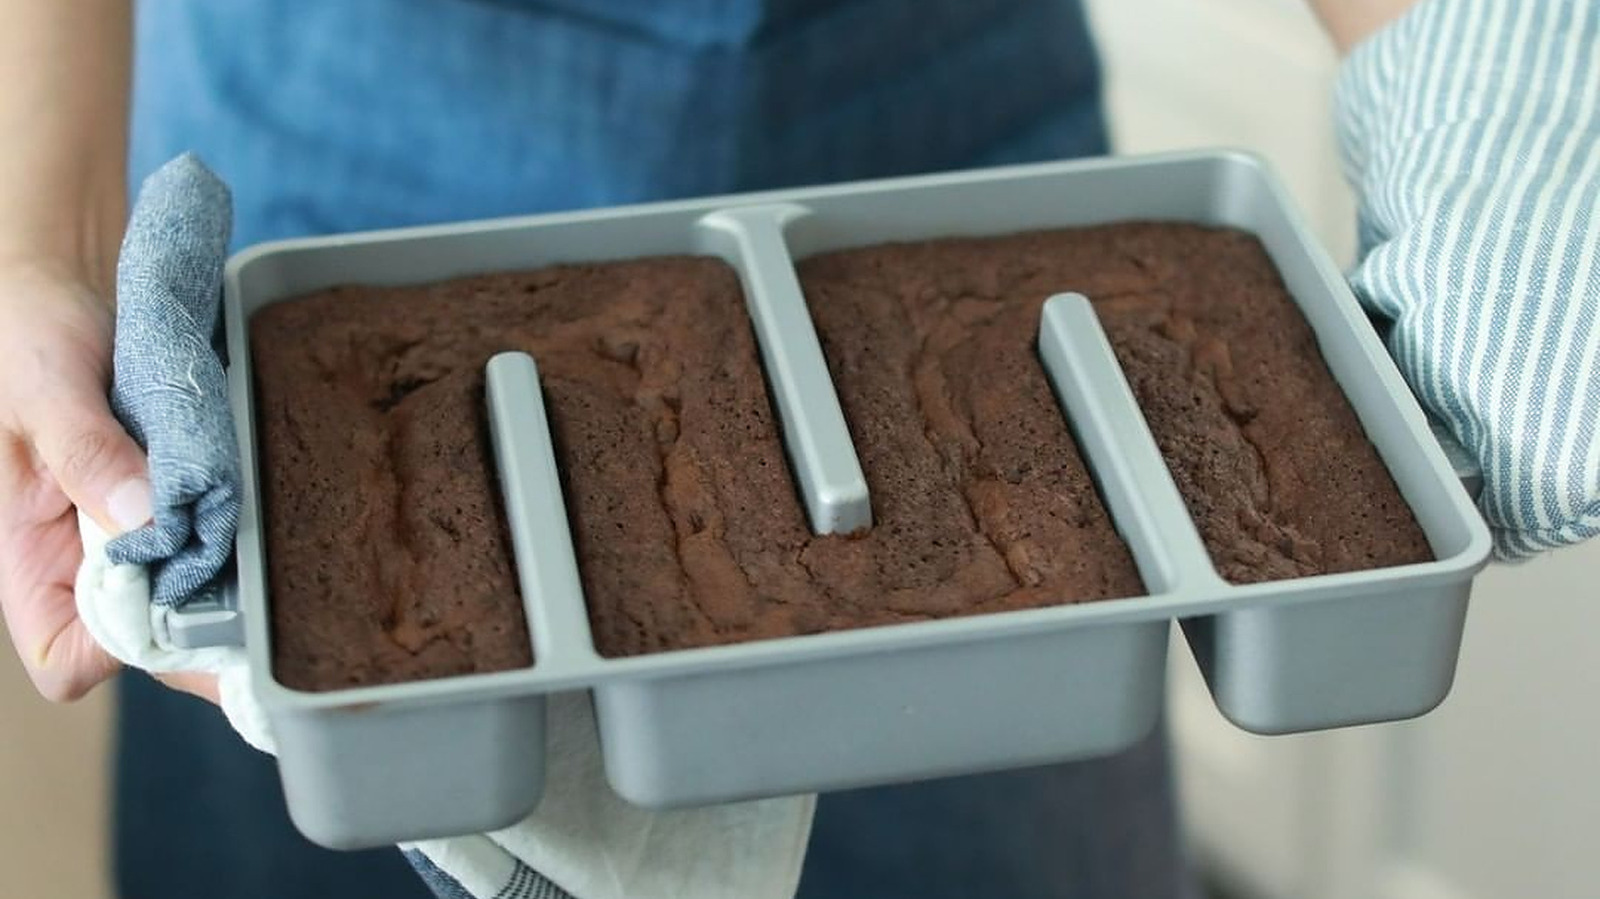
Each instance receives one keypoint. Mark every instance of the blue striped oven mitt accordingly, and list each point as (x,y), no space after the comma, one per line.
(1471,131)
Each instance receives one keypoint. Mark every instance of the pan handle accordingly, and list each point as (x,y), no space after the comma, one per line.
(209,620)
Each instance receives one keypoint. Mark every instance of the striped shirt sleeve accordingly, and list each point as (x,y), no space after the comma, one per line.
(1471,132)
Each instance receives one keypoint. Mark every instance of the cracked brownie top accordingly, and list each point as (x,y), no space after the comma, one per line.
(387,553)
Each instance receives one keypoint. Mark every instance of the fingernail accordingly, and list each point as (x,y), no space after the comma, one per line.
(129,505)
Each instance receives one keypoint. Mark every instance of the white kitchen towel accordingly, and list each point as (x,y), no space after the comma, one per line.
(114,603)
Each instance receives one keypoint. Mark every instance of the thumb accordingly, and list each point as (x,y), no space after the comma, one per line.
(99,467)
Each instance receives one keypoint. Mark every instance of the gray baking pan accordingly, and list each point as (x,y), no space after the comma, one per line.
(403,761)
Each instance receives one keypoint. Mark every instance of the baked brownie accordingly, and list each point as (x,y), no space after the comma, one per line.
(1269,456)
(388,555)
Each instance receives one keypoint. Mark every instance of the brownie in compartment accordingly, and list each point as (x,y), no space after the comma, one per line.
(687,523)
(1267,452)
(387,553)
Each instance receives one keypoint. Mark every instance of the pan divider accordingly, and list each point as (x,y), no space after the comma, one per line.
(1120,450)
(815,436)
(547,566)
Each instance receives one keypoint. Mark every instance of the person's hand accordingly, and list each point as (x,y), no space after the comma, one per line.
(60,447)
(63,187)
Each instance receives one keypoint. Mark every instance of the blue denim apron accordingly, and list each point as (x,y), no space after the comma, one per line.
(356,114)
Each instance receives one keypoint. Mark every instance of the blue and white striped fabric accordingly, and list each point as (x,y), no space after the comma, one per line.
(1471,130)
(522,882)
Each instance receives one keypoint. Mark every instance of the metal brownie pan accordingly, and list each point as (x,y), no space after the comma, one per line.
(380,764)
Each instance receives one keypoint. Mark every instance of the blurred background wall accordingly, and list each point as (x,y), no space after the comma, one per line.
(52,791)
